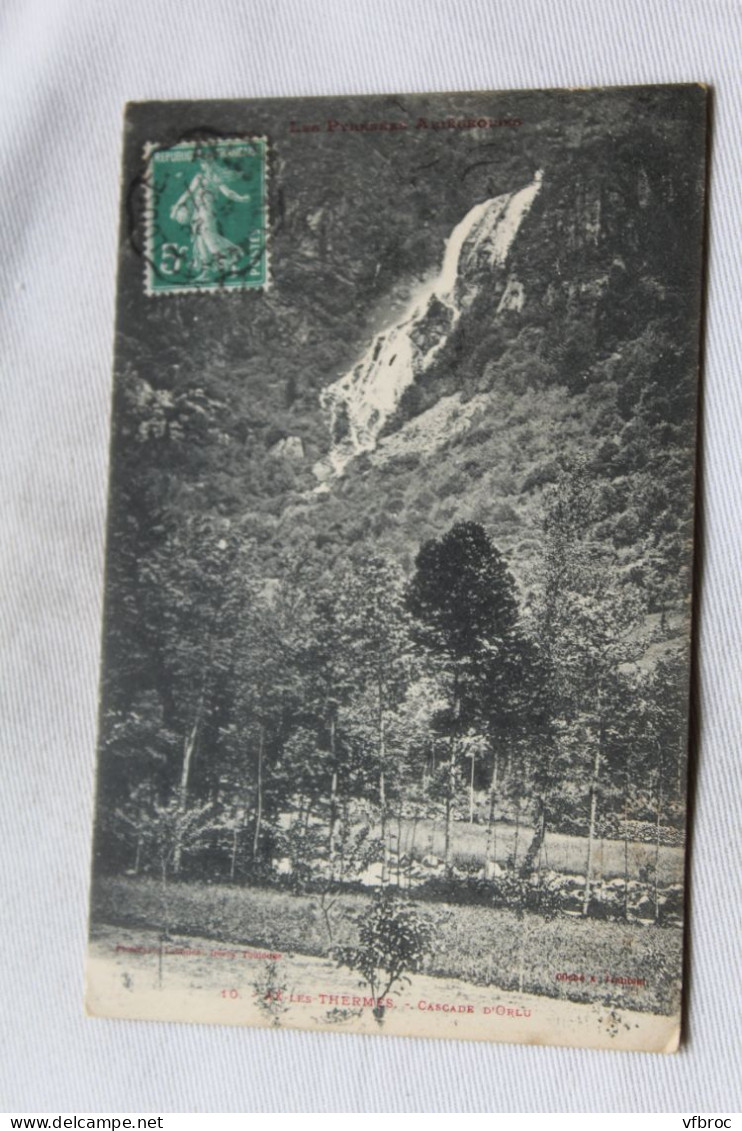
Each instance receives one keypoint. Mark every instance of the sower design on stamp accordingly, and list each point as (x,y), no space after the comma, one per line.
(206,216)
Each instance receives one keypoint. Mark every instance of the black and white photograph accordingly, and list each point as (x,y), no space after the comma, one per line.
(395,689)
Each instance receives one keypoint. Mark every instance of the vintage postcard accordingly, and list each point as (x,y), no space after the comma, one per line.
(394,701)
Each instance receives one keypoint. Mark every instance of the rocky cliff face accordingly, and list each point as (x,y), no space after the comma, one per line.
(475,263)
(555,332)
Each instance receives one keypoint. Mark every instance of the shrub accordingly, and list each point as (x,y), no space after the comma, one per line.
(394,939)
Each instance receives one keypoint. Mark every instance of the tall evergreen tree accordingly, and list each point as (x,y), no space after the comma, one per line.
(466,618)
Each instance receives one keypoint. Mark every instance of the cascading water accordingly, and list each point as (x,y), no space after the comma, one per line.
(360,401)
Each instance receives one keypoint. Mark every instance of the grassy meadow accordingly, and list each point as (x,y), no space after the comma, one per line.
(561,852)
(478,944)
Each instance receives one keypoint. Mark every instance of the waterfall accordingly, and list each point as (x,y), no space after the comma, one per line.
(359,402)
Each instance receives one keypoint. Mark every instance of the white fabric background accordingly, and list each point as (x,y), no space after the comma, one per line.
(65,70)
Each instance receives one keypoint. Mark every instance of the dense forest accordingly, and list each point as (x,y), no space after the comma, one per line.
(422,669)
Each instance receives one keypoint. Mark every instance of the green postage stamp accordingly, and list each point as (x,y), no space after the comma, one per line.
(206,216)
